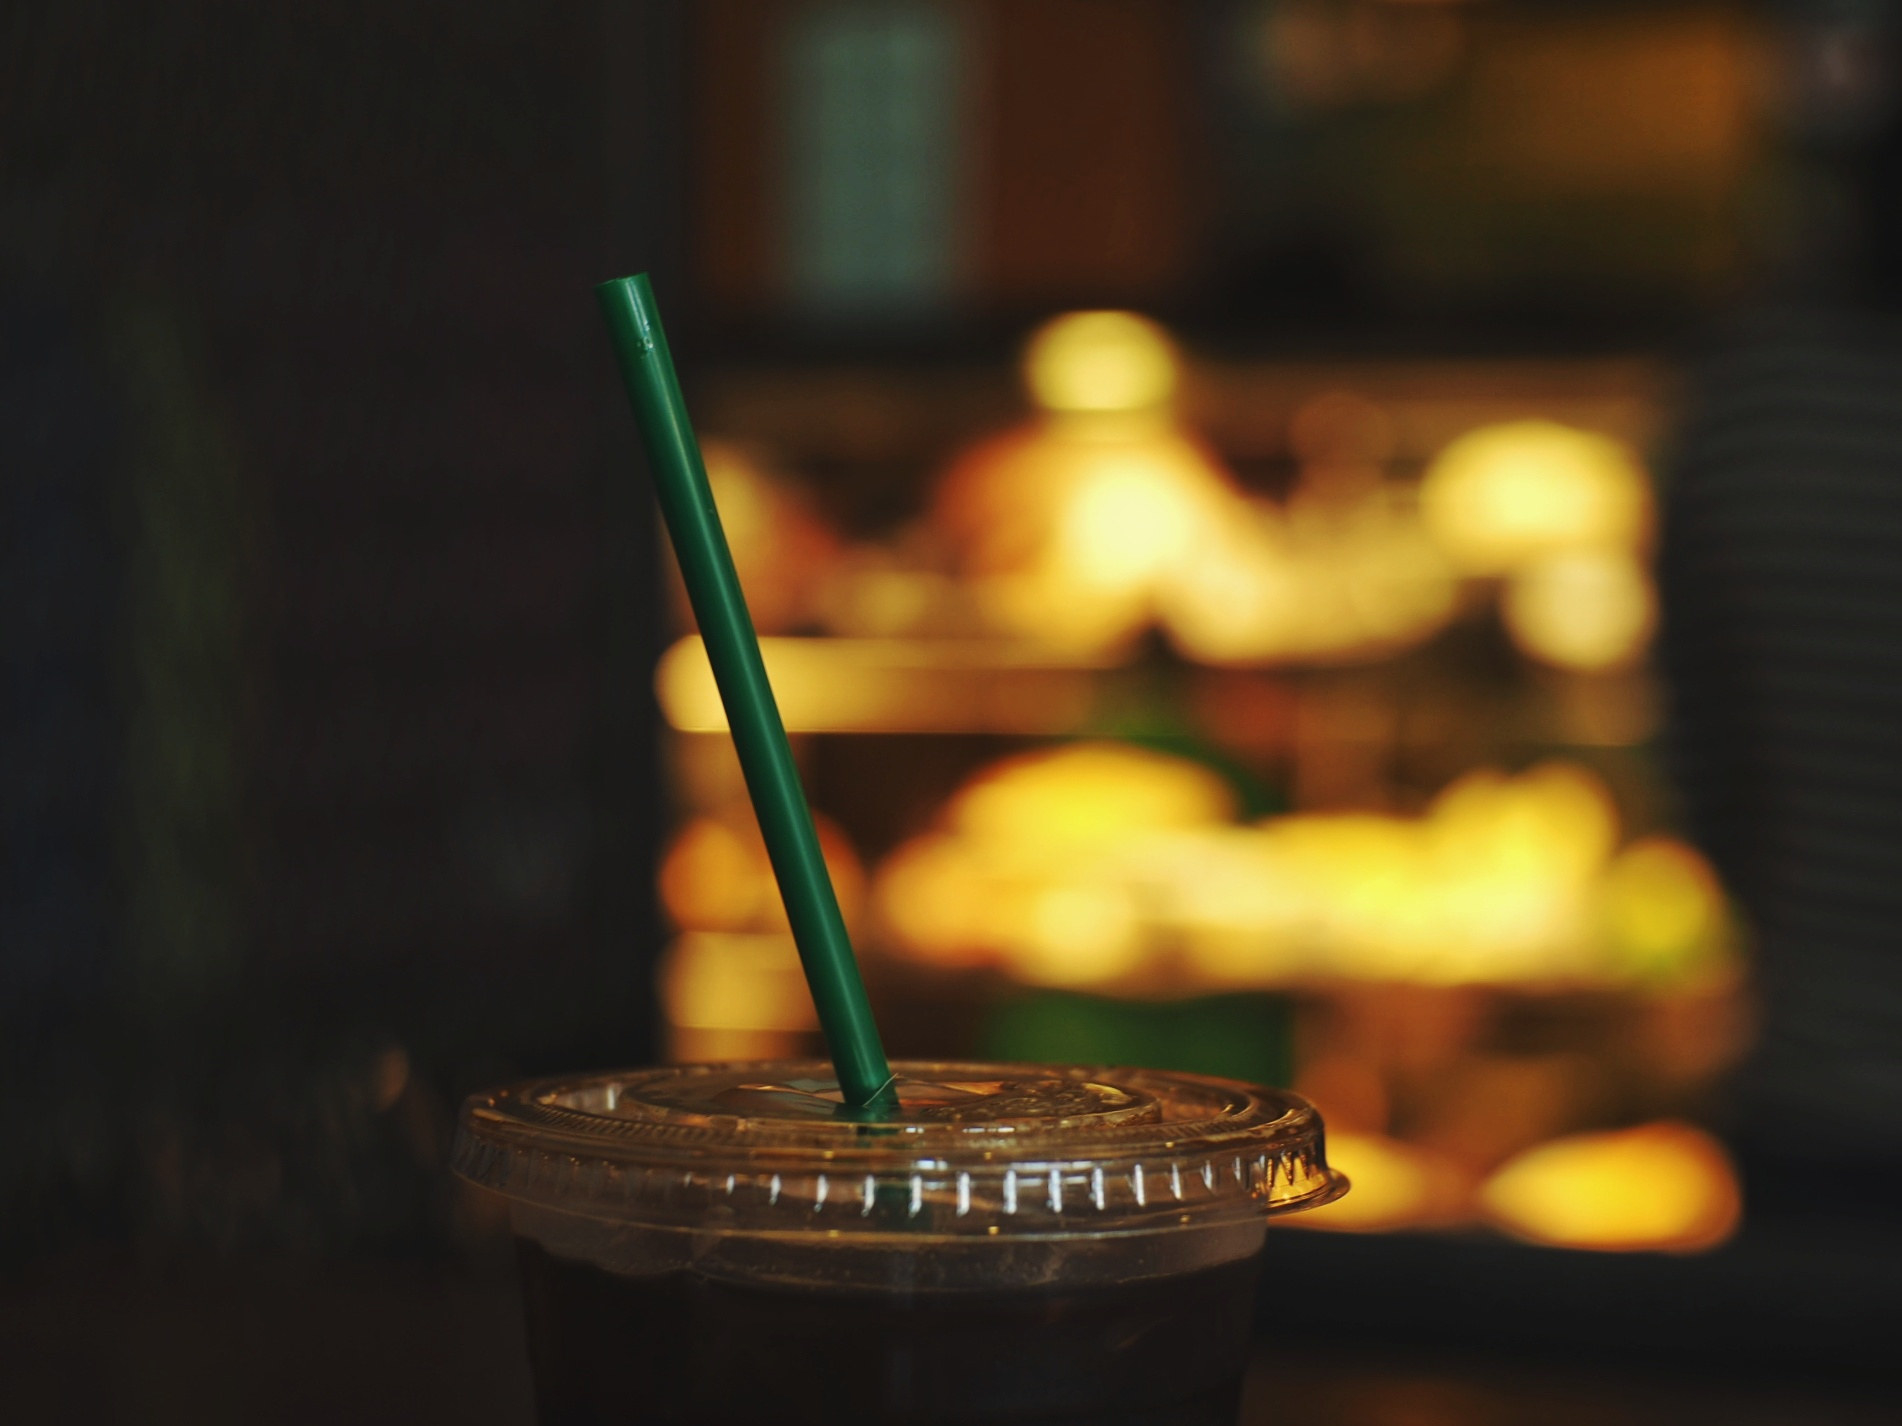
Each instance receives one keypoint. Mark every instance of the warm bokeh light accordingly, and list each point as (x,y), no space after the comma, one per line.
(1350,581)
(893,686)
(735,982)
(1082,933)
(1663,1186)
(1090,794)
(1395,1185)
(1555,820)
(1066,531)
(1106,517)
(938,900)
(715,875)
(1584,609)
(1027,871)
(1100,362)
(710,878)
(1503,880)
(777,539)
(1662,906)
(728,996)
(1502,495)
(1070,529)
(1128,523)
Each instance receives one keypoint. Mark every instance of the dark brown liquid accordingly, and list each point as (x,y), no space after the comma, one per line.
(685,1350)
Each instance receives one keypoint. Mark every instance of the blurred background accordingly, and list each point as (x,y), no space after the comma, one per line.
(1346,543)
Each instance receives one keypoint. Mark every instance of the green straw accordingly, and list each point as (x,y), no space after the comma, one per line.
(686,501)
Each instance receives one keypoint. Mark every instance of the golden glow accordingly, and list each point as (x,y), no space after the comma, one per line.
(1241,598)
(1030,872)
(938,899)
(1262,586)
(893,686)
(1128,523)
(1663,908)
(1504,879)
(715,876)
(1553,820)
(711,981)
(1585,609)
(1067,529)
(1503,495)
(1121,516)
(1661,1186)
(1106,517)
(710,878)
(1100,362)
(776,539)
(1090,794)
(1079,934)
(1395,1185)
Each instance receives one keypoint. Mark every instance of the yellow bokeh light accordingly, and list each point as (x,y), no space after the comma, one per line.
(1133,518)
(1584,609)
(1262,585)
(1066,531)
(1395,1185)
(710,878)
(1555,819)
(1663,1186)
(776,537)
(714,981)
(1100,362)
(715,875)
(1092,793)
(1098,863)
(1241,598)
(1079,934)
(933,895)
(1502,495)
(1663,907)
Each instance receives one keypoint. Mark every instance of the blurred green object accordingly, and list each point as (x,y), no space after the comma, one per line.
(1244,1036)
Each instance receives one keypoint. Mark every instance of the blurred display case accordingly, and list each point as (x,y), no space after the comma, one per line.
(1282,721)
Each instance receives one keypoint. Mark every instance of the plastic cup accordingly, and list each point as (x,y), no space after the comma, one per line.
(1016,1243)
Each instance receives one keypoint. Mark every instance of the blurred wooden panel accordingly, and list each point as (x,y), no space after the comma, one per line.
(735,165)
(1607,105)
(1085,157)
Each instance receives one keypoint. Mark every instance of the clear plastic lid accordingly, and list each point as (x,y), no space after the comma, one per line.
(973,1149)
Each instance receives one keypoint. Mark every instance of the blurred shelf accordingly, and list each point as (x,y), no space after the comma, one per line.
(894,686)
(852,413)
(1010,688)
